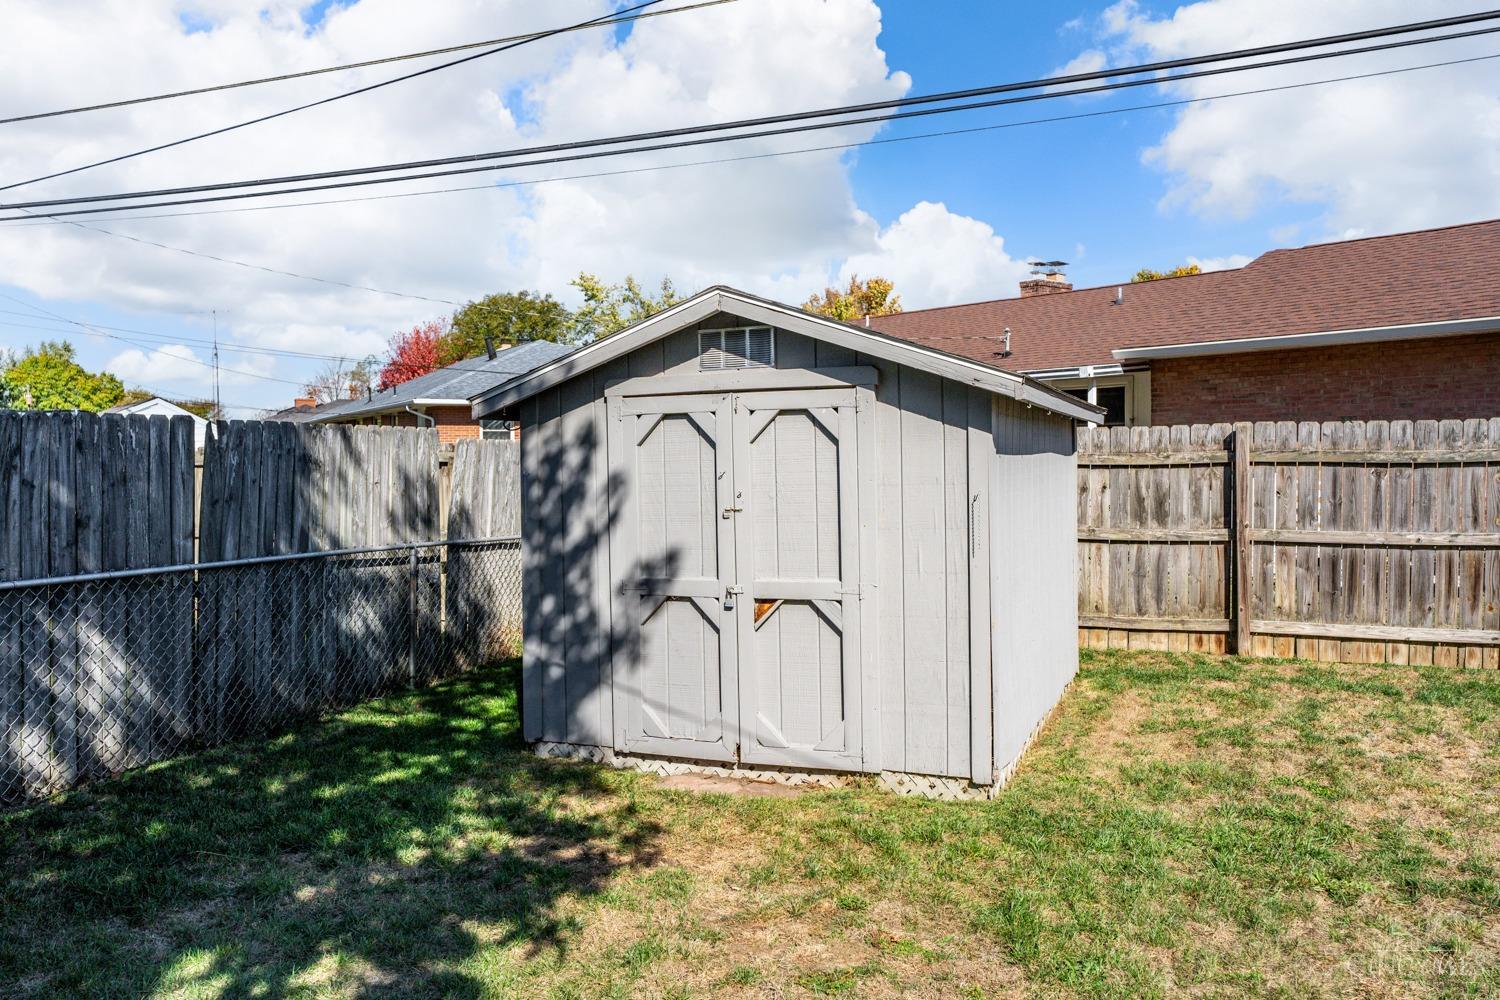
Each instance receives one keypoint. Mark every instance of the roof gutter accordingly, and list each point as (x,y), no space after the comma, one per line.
(1329,338)
(431,420)
(395,406)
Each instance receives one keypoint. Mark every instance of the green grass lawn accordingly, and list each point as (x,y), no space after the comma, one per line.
(1220,826)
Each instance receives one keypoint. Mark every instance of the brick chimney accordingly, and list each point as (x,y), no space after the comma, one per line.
(1047,282)
(304,403)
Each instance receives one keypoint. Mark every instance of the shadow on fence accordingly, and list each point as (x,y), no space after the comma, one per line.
(125,670)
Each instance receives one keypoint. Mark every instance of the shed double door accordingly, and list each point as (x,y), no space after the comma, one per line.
(736,554)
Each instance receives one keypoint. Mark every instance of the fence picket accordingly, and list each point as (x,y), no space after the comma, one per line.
(1352,555)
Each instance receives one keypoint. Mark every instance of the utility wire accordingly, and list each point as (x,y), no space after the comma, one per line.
(603,19)
(41,220)
(300,355)
(257,267)
(757,156)
(895,103)
(164,338)
(571,156)
(89,328)
(96,328)
(354,65)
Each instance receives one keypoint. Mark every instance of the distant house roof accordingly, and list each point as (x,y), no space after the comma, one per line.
(307,414)
(454,385)
(1426,283)
(154,404)
(722,299)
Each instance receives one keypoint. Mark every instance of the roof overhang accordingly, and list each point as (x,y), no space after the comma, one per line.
(395,406)
(758,310)
(1327,338)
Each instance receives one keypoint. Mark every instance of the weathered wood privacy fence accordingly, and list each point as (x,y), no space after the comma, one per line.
(1355,541)
(322,576)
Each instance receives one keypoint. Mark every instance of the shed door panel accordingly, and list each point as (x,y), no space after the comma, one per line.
(798,552)
(674,648)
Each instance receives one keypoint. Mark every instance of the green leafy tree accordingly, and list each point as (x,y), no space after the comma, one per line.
(47,378)
(8,359)
(862,298)
(1146,274)
(504,316)
(609,308)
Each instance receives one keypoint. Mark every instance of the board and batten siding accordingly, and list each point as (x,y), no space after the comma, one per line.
(933,453)
(1035,608)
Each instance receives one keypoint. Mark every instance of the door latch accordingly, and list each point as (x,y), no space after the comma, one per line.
(731,510)
(729,595)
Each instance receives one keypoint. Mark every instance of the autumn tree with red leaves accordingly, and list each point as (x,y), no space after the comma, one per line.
(413,353)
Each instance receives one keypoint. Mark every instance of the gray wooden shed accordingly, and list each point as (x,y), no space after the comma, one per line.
(758,538)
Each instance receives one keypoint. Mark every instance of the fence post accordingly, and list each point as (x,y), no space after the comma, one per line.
(411,617)
(1240,530)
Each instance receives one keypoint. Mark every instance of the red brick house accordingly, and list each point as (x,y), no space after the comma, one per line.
(1403,326)
(438,399)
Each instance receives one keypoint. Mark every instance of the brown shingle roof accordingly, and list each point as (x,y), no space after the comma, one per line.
(1421,277)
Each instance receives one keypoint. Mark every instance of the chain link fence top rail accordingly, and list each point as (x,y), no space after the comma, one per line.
(103,672)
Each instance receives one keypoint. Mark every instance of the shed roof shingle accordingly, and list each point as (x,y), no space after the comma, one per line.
(1428,276)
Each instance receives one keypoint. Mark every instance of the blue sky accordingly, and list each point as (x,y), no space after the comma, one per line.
(1050,188)
(1226,183)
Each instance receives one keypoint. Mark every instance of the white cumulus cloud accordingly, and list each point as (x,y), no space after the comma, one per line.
(936,257)
(782,226)
(1225,263)
(1376,155)
(170,363)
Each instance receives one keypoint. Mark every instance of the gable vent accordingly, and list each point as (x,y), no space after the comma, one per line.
(737,347)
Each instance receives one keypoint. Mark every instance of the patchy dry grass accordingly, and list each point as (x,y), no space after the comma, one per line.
(1186,824)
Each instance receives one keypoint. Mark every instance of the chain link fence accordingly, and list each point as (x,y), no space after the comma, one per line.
(103,672)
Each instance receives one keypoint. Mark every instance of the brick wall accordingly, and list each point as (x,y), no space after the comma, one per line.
(1435,379)
(453,423)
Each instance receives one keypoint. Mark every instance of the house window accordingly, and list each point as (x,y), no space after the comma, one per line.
(1111,397)
(1124,397)
(495,430)
(736,347)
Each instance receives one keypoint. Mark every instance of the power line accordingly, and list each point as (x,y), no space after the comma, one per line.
(43,220)
(603,19)
(165,338)
(149,347)
(249,349)
(160,340)
(365,64)
(185,340)
(894,103)
(571,156)
(256,267)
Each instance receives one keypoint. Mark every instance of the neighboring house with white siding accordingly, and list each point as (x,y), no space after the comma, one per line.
(167,408)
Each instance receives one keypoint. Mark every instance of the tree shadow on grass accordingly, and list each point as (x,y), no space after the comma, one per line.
(408,846)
